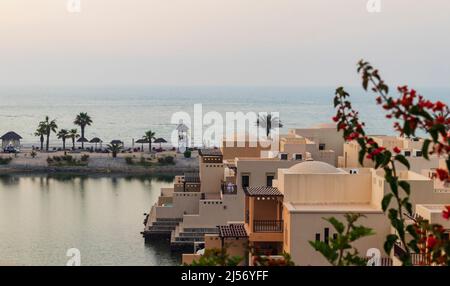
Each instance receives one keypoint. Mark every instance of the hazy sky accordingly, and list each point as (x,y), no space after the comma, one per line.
(222,42)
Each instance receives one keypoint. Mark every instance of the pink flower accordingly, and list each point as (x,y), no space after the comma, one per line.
(446,212)
(431,241)
(442,174)
(439,106)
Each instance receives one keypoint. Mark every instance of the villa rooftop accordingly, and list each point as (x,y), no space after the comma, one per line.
(210,152)
(191,177)
(233,230)
(263,191)
(332,207)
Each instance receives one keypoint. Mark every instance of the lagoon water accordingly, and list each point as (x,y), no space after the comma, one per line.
(42,217)
(127,112)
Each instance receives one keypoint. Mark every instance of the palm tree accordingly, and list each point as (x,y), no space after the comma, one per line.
(268,123)
(73,134)
(149,136)
(40,131)
(114,148)
(49,127)
(83,120)
(63,134)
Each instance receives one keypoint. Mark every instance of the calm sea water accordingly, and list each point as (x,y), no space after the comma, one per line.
(127,112)
(41,217)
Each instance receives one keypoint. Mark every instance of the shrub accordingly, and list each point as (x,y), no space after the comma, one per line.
(49,160)
(129,160)
(187,154)
(33,154)
(5,161)
(67,158)
(169,160)
(85,158)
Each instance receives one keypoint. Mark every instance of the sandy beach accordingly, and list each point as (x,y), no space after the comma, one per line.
(99,163)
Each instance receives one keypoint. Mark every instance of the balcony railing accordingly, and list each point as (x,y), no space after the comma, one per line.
(416,258)
(229,189)
(267,226)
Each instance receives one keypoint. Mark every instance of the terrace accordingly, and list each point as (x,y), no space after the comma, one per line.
(263,218)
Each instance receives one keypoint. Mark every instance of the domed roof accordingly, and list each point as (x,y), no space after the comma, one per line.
(314,167)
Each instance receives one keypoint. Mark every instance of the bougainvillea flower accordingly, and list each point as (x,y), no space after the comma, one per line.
(431,241)
(442,174)
(446,212)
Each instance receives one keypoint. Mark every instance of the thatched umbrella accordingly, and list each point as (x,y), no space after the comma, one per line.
(116,142)
(160,140)
(82,140)
(96,140)
(142,141)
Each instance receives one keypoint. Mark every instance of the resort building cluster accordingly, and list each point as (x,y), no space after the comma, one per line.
(256,202)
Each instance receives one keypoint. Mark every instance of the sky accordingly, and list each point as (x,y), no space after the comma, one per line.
(222,42)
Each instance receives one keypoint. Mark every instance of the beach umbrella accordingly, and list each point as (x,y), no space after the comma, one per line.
(160,140)
(116,142)
(142,141)
(82,140)
(96,140)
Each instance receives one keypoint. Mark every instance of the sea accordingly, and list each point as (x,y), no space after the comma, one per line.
(125,112)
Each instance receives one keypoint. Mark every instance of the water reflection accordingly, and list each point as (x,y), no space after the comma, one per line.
(102,216)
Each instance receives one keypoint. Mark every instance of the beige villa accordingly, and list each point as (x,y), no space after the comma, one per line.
(286,216)
(411,148)
(200,201)
(275,202)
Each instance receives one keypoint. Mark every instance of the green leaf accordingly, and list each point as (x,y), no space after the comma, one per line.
(360,231)
(412,230)
(394,186)
(425,147)
(389,243)
(408,207)
(405,186)
(361,155)
(339,226)
(402,159)
(393,213)
(386,200)
(387,158)
(336,101)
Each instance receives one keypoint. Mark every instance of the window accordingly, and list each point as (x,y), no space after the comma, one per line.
(269,180)
(327,234)
(418,153)
(321,146)
(283,156)
(407,153)
(245,181)
(298,157)
(317,236)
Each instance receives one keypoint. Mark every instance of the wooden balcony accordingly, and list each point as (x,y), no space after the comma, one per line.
(267,226)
